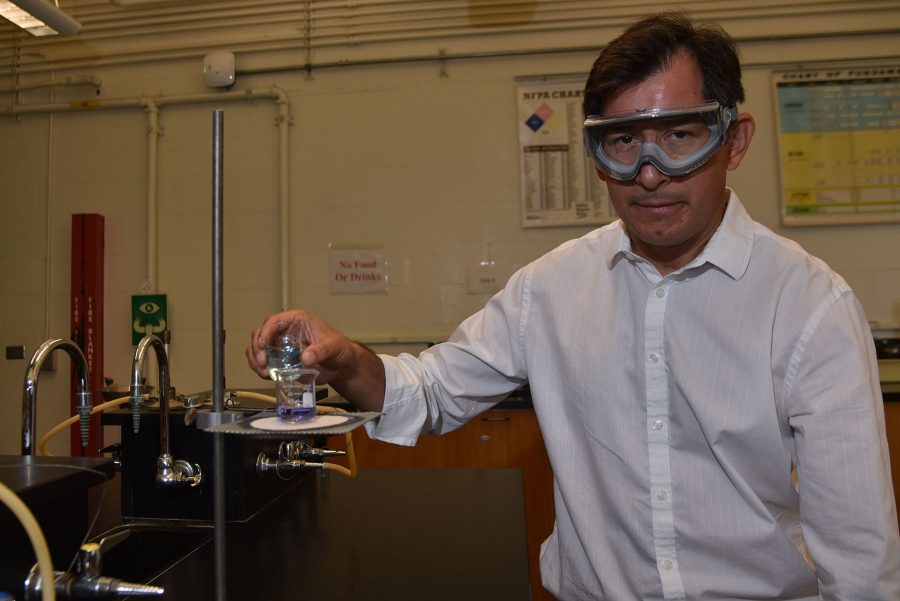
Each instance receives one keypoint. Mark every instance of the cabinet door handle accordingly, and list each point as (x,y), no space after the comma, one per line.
(498,418)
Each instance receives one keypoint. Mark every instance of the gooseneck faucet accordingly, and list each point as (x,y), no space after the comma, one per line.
(170,472)
(29,393)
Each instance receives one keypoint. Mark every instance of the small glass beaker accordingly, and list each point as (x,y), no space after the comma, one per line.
(284,348)
(295,394)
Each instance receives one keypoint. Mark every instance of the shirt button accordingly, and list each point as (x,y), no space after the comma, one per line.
(662,495)
(660,292)
(653,357)
(667,564)
(657,424)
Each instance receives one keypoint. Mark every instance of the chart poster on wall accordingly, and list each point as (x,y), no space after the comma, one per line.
(559,183)
(839,139)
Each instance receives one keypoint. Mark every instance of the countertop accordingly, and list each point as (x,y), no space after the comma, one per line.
(32,477)
(389,534)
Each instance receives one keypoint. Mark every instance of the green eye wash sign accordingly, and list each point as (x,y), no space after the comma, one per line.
(148,316)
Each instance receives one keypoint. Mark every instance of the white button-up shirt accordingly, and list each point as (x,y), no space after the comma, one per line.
(674,410)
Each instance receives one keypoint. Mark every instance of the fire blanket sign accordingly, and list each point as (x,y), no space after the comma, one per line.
(148,316)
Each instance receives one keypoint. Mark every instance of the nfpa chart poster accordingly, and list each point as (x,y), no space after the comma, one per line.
(559,183)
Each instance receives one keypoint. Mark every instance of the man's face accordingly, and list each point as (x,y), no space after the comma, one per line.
(671,218)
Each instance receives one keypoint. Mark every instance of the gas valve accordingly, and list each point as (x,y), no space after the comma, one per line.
(87,583)
(294,456)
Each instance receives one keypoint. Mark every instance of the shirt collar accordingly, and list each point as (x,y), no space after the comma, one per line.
(728,249)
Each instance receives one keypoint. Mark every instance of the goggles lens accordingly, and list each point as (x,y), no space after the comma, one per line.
(675,140)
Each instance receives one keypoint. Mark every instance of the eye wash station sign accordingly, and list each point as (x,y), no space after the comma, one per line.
(358,270)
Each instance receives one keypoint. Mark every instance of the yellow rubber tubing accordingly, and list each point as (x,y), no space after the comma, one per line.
(351,455)
(42,443)
(38,542)
(255,395)
(338,468)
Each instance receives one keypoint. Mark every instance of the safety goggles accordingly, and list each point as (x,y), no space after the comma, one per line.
(674,139)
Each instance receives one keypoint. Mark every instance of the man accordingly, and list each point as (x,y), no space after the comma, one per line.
(684,363)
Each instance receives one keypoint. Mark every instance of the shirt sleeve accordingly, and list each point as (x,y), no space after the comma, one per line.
(452,382)
(835,409)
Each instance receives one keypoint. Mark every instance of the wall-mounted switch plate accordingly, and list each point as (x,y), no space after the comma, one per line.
(18,352)
(483,278)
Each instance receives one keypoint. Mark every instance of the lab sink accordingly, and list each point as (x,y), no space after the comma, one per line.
(55,489)
(139,552)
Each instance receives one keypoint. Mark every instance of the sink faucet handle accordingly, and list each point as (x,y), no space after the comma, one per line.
(176,473)
(189,473)
(90,560)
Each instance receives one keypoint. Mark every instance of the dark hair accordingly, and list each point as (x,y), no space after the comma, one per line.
(648,46)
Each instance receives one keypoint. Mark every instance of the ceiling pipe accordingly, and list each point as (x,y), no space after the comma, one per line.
(39,17)
(68,82)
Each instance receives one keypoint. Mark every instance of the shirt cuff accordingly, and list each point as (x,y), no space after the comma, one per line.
(404,413)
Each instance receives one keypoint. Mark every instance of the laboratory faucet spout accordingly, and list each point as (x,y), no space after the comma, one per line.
(170,472)
(29,393)
(137,386)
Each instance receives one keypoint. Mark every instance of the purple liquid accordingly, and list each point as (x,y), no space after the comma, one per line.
(295,413)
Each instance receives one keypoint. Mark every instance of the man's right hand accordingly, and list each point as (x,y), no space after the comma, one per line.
(353,371)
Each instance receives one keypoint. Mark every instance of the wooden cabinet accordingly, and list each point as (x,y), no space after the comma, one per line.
(511,438)
(892,420)
(497,438)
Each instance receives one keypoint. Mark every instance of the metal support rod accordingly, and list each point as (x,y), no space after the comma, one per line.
(218,341)
(218,361)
